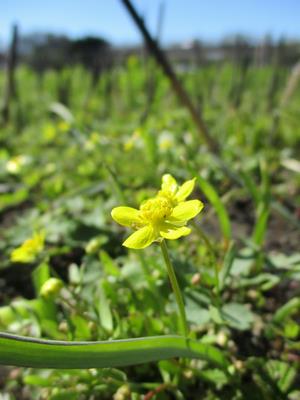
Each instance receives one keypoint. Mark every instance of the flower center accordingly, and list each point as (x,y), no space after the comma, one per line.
(169,196)
(156,210)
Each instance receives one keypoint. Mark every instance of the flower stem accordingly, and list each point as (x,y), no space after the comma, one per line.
(175,287)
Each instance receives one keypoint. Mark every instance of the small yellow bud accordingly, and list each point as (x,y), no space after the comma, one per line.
(64,126)
(93,245)
(222,338)
(188,374)
(239,365)
(123,393)
(196,278)
(63,327)
(252,294)
(92,326)
(51,288)
(15,164)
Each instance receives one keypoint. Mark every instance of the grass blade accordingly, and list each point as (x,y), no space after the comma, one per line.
(215,200)
(37,353)
(286,310)
(227,265)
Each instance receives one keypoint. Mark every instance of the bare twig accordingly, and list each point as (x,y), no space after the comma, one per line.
(291,85)
(151,83)
(169,72)
(10,87)
(161,388)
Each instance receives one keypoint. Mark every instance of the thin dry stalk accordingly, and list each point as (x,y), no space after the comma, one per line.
(291,85)
(175,83)
(10,86)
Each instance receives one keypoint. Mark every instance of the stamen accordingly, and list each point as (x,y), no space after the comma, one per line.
(156,210)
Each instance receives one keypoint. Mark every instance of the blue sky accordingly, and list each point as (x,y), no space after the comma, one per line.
(183,19)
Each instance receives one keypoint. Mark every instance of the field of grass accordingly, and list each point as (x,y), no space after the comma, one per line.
(73,150)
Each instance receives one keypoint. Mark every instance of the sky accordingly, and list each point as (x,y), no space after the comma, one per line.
(183,20)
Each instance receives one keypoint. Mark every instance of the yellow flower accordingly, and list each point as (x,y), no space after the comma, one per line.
(64,126)
(162,217)
(15,164)
(166,141)
(30,249)
(133,141)
(176,194)
(49,132)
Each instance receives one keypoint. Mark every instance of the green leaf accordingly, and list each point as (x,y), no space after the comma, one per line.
(196,314)
(110,267)
(243,262)
(37,353)
(65,395)
(260,227)
(286,213)
(282,373)
(287,310)
(216,202)
(133,273)
(74,274)
(36,380)
(238,316)
(104,308)
(18,309)
(215,315)
(218,377)
(291,329)
(40,275)
(227,265)
(265,280)
(283,261)
(81,326)
(13,199)
(251,186)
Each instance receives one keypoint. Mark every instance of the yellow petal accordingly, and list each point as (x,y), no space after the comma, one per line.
(126,216)
(185,190)
(175,232)
(169,183)
(186,210)
(20,255)
(141,238)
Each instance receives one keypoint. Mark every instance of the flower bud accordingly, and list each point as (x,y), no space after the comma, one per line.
(123,393)
(51,288)
(196,278)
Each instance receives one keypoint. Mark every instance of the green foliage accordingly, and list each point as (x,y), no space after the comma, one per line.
(73,149)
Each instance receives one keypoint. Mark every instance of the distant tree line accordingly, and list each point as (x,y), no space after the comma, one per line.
(49,51)
(239,50)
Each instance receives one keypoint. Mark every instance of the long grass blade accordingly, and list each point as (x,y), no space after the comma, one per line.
(37,353)
(216,202)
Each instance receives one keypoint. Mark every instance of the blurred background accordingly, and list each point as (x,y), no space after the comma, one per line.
(97,34)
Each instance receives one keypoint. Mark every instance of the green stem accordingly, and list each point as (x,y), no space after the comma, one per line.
(175,287)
